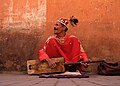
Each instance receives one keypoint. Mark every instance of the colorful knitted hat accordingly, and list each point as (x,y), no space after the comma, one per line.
(63,21)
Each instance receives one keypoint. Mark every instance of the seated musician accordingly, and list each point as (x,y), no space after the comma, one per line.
(64,45)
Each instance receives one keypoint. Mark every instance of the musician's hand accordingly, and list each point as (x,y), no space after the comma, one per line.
(51,63)
(85,65)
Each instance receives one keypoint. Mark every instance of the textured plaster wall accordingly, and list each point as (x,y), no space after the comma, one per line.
(26,24)
(22,25)
(98,27)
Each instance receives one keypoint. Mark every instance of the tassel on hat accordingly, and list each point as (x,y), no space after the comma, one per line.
(73,21)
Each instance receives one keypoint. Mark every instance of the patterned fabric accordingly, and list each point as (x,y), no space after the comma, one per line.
(68,47)
(63,21)
(105,68)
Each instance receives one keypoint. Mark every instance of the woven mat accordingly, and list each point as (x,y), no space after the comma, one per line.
(65,75)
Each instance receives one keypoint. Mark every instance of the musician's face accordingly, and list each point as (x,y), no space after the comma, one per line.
(59,28)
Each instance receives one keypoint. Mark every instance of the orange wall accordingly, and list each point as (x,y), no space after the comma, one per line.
(98,28)
(22,25)
(26,24)
(24,14)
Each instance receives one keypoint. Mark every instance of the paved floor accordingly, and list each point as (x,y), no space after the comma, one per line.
(28,80)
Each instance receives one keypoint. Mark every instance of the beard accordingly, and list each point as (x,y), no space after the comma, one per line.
(55,28)
(58,30)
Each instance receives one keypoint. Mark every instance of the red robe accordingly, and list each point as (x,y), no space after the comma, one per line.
(68,47)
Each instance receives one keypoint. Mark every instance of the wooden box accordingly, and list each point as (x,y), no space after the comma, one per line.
(37,67)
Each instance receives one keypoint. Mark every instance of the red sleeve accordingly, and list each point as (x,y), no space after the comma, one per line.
(42,55)
(83,54)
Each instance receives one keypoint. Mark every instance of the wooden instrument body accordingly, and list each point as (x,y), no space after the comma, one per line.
(37,67)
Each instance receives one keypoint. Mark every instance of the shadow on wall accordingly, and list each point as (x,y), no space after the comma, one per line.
(16,48)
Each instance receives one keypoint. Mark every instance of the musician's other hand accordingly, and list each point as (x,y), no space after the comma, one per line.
(85,65)
(51,63)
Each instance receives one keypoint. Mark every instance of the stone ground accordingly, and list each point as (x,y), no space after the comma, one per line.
(34,80)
